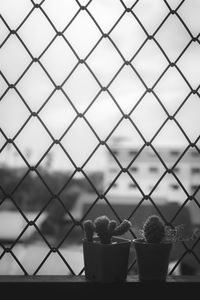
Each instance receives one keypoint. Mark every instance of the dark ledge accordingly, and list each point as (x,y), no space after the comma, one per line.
(54,284)
(83,281)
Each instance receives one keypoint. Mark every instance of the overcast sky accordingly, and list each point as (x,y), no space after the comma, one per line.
(105,61)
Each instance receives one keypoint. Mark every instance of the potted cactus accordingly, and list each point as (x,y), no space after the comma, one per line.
(105,254)
(153,249)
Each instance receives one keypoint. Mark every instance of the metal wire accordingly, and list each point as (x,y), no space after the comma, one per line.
(105,143)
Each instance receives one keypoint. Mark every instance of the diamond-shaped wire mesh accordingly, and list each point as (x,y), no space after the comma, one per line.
(128,57)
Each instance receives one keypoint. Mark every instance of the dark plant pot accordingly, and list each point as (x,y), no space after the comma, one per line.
(106,262)
(152,260)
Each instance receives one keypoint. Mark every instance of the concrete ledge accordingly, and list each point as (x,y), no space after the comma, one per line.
(63,286)
(82,280)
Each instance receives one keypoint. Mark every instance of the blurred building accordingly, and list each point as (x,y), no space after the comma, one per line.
(146,168)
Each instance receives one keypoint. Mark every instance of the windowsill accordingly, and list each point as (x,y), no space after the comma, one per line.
(81,279)
(80,287)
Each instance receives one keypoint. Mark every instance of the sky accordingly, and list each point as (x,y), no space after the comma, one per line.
(81,87)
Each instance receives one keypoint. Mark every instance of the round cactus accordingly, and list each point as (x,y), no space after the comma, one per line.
(154,229)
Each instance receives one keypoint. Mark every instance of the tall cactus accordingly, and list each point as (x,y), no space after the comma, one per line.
(105,229)
(88,230)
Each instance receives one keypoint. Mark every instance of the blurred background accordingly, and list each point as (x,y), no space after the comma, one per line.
(88,88)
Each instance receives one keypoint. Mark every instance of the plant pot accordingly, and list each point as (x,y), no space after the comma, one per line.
(106,262)
(152,259)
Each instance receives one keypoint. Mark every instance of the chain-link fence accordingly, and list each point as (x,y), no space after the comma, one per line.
(46,59)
